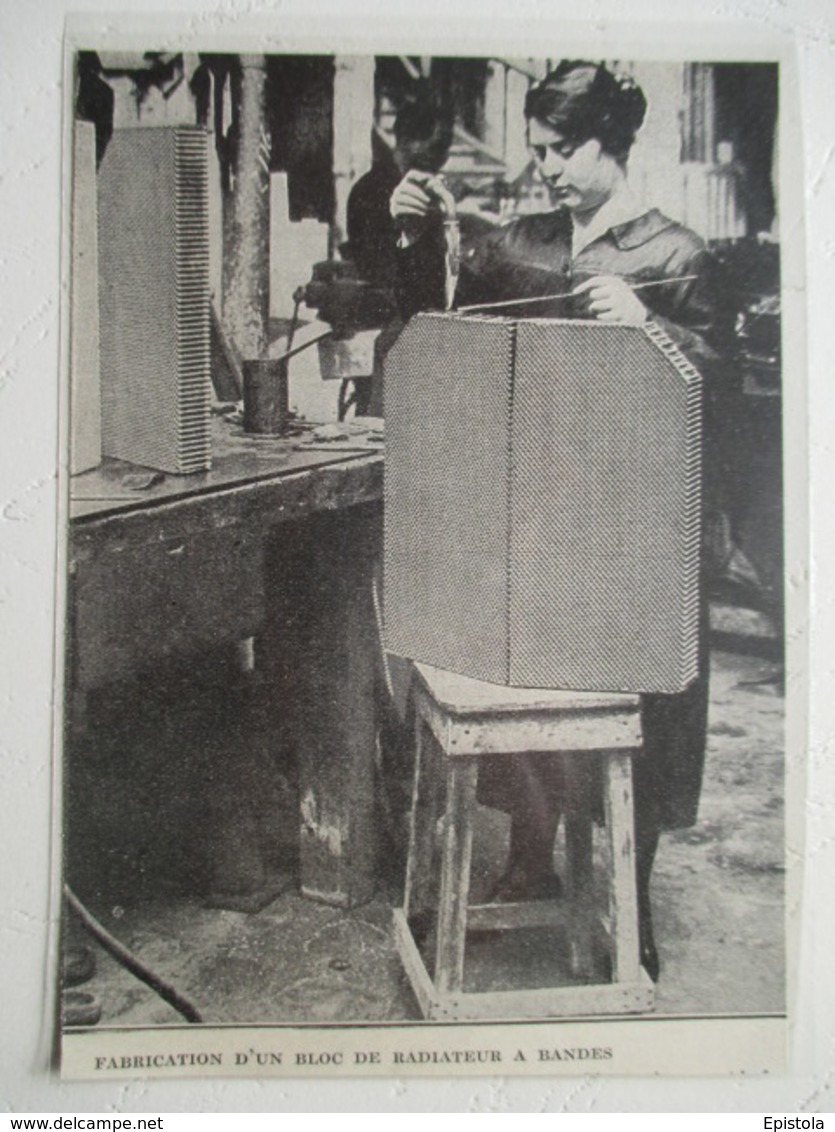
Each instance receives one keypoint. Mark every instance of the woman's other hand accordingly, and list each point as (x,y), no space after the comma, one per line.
(611,299)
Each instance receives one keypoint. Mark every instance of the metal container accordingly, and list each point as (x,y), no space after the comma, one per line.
(266,398)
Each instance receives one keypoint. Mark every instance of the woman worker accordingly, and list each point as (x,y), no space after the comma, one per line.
(599,243)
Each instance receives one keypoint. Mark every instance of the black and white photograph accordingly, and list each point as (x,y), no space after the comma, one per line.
(429,560)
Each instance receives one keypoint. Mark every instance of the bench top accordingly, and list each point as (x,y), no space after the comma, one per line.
(462,695)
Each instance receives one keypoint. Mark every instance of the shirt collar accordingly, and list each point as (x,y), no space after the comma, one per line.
(633,233)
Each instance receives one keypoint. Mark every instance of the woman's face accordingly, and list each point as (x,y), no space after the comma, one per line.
(581,176)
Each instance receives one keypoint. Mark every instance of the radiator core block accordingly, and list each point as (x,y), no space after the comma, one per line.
(153,235)
(543,503)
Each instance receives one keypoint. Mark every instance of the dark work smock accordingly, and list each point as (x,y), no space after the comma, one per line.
(532,256)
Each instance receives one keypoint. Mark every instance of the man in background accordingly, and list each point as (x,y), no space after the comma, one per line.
(422,139)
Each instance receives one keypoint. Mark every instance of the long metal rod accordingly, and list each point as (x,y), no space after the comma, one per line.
(303,346)
(569,295)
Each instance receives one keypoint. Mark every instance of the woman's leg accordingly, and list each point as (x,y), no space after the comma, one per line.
(532,795)
(646,845)
(667,777)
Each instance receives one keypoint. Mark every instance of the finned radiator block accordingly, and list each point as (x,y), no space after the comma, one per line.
(543,503)
(154,298)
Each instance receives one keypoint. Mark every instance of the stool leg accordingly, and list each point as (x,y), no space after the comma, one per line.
(580,877)
(623,904)
(422,825)
(462,777)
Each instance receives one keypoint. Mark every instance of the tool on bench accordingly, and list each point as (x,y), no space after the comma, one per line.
(356,311)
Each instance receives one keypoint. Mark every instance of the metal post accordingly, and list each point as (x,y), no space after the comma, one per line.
(247,275)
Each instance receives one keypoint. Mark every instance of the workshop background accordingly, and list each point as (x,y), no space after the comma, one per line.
(181,823)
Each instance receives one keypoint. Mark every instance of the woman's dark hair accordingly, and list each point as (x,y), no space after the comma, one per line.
(583,100)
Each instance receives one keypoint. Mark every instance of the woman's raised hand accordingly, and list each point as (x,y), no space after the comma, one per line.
(412,202)
(611,299)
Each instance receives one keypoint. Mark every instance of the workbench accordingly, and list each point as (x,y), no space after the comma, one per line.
(163,566)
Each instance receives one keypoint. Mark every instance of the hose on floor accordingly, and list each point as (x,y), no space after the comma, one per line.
(130,962)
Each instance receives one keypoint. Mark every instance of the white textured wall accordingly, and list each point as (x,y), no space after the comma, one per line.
(30,349)
(353,112)
(654,163)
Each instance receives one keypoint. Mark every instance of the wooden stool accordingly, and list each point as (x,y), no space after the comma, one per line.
(470,719)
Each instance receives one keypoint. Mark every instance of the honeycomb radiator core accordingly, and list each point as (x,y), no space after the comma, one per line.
(543,503)
(154,298)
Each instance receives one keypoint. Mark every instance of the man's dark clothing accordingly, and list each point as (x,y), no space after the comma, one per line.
(372,236)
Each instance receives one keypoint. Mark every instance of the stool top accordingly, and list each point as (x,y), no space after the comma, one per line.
(462,695)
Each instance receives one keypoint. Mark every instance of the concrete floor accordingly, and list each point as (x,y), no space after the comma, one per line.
(717,890)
